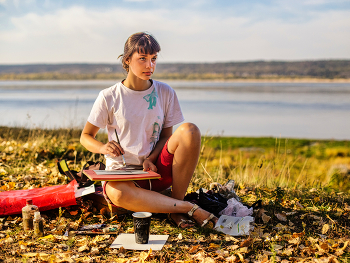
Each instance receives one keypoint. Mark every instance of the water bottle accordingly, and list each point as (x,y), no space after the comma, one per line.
(28,215)
(38,225)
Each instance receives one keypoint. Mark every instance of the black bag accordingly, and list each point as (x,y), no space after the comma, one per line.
(80,177)
(211,202)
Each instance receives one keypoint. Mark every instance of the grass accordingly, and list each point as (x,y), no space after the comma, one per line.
(304,181)
(269,162)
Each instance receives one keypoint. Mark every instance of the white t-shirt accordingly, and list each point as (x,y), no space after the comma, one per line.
(137,116)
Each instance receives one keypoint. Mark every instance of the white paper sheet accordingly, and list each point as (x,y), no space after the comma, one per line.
(127,241)
(102,172)
(84,191)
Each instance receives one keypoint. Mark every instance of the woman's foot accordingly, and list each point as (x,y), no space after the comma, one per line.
(180,220)
(202,217)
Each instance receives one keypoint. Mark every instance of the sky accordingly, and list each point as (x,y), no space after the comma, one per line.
(90,31)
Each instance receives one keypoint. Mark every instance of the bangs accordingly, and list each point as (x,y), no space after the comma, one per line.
(142,43)
(147,45)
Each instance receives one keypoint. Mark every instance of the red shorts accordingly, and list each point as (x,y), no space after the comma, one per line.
(164,165)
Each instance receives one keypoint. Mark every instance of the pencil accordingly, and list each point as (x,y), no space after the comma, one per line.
(116,134)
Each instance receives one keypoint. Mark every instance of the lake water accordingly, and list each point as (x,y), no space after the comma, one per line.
(287,110)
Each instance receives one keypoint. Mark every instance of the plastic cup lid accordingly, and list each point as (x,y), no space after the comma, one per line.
(142,214)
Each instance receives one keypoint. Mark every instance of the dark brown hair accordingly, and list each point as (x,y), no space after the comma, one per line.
(139,42)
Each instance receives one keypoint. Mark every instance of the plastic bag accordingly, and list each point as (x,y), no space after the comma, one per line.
(235,208)
(46,198)
(235,226)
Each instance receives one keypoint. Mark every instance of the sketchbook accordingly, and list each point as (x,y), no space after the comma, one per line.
(120,175)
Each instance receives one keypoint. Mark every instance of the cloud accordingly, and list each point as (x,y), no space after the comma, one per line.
(80,34)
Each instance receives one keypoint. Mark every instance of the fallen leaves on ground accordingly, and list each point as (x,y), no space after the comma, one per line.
(287,236)
(310,225)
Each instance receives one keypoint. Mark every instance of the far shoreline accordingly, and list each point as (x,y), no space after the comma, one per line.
(5,130)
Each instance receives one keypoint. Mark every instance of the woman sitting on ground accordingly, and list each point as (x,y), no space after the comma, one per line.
(143,112)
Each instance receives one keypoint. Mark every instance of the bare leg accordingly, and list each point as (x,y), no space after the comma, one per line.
(128,196)
(185,145)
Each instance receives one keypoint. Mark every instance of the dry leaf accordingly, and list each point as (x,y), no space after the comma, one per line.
(294,241)
(84,248)
(346,207)
(99,238)
(46,257)
(325,246)
(231,259)
(267,252)
(325,229)
(281,216)
(287,251)
(260,212)
(193,249)
(73,213)
(243,250)
(222,253)
(290,213)
(299,205)
(48,237)
(277,247)
(9,240)
(265,218)
(146,255)
(258,232)
(298,234)
(95,250)
(63,257)
(122,250)
(240,257)
(231,238)
(345,245)
(30,255)
(233,247)
(199,256)
(279,226)
(215,246)
(209,260)
(246,243)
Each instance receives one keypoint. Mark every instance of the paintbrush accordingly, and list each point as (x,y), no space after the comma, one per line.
(116,134)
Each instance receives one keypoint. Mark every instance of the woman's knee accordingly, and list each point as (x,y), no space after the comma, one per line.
(189,130)
(187,136)
(119,191)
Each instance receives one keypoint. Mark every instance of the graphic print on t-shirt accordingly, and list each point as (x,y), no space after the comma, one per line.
(155,135)
(151,99)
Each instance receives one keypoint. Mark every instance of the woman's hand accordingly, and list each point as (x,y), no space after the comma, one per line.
(112,148)
(148,165)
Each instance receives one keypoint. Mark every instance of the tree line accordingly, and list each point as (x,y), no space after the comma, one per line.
(324,69)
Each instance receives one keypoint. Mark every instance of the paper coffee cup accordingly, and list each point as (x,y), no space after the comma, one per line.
(142,223)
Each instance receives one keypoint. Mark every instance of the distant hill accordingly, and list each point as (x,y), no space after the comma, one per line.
(327,69)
